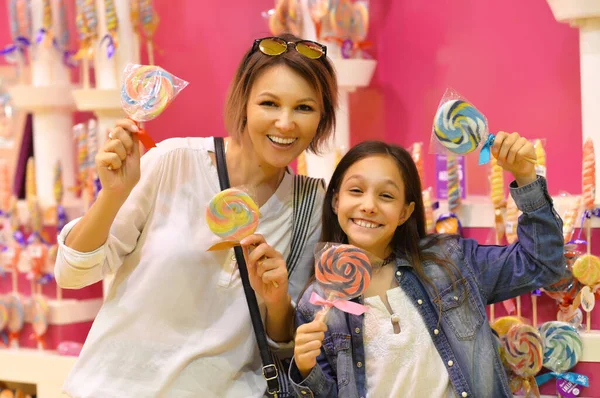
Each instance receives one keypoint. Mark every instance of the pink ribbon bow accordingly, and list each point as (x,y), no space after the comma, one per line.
(343,305)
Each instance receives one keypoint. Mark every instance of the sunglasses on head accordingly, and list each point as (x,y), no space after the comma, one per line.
(274,46)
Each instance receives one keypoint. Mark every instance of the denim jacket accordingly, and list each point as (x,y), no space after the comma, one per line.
(463,337)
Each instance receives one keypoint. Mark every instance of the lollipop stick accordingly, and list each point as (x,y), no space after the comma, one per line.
(534,305)
(492,313)
(588,321)
(518,299)
(150,47)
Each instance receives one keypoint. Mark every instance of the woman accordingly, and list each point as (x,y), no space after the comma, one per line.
(175,321)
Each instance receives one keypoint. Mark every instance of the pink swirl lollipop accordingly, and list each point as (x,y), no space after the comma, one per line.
(344,271)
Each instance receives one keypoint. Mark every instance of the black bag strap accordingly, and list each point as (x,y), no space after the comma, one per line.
(269,370)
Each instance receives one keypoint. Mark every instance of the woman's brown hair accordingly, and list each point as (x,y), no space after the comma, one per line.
(318,72)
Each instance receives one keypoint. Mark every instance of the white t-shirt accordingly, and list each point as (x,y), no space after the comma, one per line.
(175,322)
(406,364)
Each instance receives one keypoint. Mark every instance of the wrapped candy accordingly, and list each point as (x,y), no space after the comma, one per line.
(562,350)
(112,27)
(342,272)
(146,93)
(86,22)
(570,219)
(540,154)
(149,24)
(460,128)
(428,205)
(589,174)
(522,350)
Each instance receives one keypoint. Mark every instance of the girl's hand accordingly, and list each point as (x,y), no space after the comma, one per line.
(309,339)
(511,151)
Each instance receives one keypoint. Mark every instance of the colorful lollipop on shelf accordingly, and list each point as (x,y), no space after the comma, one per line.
(460,128)
(523,352)
(562,350)
(562,346)
(86,22)
(360,22)
(112,27)
(16,318)
(503,324)
(587,270)
(589,174)
(342,272)
(232,215)
(39,309)
(570,218)
(149,24)
(340,18)
(146,93)
(45,34)
(454,194)
(428,205)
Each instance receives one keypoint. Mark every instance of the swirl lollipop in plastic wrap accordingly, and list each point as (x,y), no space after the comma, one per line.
(461,128)
(587,270)
(342,272)
(523,352)
(146,93)
(562,350)
(232,215)
(562,346)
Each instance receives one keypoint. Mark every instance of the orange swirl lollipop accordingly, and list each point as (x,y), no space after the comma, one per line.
(344,271)
(589,174)
(232,215)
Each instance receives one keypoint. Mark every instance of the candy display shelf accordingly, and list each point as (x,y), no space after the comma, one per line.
(478,211)
(47,370)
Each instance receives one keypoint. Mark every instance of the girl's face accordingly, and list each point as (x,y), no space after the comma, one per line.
(283,115)
(370,204)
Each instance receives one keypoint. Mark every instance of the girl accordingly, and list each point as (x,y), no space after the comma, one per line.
(425,333)
(175,322)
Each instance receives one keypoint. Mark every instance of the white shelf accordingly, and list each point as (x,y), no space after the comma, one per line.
(572,10)
(99,101)
(46,369)
(352,73)
(69,311)
(42,98)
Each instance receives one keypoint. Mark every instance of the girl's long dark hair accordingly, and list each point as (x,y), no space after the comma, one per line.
(408,240)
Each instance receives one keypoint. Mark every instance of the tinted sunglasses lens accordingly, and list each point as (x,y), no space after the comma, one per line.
(309,49)
(272,46)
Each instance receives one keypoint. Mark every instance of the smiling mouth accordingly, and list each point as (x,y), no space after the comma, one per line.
(365,223)
(282,141)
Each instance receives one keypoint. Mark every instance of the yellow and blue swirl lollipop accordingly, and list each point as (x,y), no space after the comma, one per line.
(460,128)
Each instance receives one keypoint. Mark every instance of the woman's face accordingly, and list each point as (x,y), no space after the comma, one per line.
(283,111)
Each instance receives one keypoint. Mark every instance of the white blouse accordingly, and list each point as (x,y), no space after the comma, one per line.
(406,364)
(175,322)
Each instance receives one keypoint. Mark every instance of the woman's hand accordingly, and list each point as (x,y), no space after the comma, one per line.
(118,161)
(266,269)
